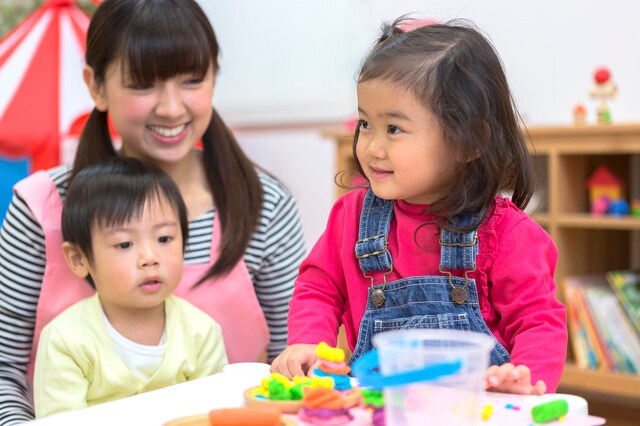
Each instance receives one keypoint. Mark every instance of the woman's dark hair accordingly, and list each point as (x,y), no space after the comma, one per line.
(113,192)
(156,40)
(457,75)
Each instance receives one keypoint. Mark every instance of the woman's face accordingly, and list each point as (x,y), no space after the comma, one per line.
(159,123)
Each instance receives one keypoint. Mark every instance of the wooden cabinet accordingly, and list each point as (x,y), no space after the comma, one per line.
(344,156)
(565,157)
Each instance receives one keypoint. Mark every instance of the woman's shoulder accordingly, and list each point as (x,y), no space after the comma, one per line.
(274,190)
(58,175)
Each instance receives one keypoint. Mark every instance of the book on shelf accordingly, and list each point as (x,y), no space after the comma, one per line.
(603,336)
(626,285)
(583,352)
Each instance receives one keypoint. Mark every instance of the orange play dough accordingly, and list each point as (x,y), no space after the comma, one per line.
(246,416)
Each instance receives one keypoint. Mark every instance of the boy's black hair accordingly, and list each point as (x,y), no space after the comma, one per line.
(112,193)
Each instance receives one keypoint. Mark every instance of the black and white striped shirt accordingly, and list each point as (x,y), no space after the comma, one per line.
(272,258)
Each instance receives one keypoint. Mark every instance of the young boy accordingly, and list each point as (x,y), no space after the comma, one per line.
(124,226)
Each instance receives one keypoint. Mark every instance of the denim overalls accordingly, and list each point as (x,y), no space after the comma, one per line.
(418,302)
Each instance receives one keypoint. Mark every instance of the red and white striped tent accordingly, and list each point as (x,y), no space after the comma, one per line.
(42,93)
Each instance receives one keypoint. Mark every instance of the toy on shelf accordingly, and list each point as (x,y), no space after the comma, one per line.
(635,208)
(606,193)
(579,115)
(603,90)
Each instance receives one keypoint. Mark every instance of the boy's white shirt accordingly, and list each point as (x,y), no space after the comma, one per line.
(142,360)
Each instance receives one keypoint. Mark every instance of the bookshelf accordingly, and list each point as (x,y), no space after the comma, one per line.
(565,156)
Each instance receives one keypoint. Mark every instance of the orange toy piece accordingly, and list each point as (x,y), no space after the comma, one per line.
(344,370)
(247,416)
(330,399)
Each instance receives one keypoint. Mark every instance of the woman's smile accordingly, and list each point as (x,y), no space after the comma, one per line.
(169,135)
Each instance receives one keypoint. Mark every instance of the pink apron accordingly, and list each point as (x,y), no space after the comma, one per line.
(231,300)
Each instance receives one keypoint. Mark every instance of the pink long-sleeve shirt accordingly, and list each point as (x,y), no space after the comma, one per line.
(515,265)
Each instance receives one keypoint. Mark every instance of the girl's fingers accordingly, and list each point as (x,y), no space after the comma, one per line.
(294,368)
(540,388)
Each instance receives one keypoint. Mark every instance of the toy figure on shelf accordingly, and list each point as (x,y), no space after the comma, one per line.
(606,193)
(579,115)
(603,90)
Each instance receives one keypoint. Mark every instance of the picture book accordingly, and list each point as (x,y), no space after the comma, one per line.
(613,338)
(581,342)
(626,284)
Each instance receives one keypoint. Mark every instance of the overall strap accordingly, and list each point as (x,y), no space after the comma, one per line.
(371,247)
(459,249)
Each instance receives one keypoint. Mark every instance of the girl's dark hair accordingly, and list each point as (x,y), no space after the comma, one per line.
(113,192)
(156,40)
(457,75)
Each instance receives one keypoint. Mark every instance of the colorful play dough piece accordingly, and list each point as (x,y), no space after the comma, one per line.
(549,411)
(322,382)
(278,391)
(328,353)
(246,416)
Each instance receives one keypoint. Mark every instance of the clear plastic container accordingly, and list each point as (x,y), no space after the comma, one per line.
(453,399)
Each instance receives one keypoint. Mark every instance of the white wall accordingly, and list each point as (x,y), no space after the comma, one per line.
(287,62)
(305,163)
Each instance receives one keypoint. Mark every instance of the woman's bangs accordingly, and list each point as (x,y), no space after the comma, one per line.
(164,51)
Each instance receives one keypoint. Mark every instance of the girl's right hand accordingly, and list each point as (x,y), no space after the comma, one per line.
(295,360)
(508,378)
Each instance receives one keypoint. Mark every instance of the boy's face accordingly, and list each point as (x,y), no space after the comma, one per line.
(137,265)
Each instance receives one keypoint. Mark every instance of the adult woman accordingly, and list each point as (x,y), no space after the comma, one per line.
(151,68)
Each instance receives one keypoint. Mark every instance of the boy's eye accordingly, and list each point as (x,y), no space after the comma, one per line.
(393,130)
(165,239)
(124,245)
(364,125)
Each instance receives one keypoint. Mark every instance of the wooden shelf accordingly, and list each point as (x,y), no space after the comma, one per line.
(601,382)
(542,218)
(586,220)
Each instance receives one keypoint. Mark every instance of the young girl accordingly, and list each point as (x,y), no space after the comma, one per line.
(124,226)
(429,243)
(151,67)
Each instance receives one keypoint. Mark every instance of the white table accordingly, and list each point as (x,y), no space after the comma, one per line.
(225,390)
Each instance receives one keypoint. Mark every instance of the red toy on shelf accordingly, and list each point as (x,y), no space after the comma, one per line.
(606,193)
(603,90)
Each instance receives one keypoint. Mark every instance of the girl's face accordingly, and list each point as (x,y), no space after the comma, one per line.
(137,265)
(401,146)
(159,123)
